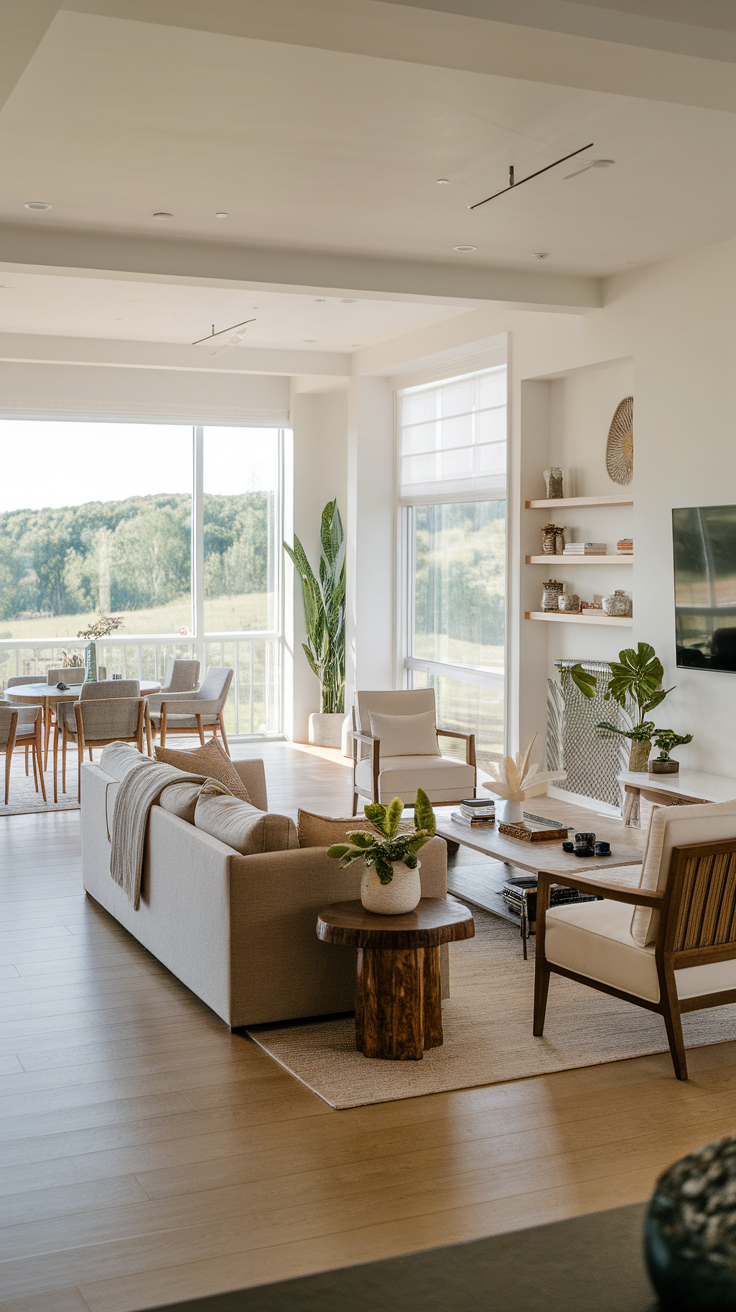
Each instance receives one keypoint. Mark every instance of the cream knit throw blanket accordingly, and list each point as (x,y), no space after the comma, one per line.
(139,790)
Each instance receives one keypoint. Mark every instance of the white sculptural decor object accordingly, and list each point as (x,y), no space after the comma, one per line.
(515,780)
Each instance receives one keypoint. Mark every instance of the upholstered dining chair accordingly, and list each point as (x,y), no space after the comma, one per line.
(396,750)
(181,675)
(668,943)
(16,681)
(71,675)
(107,712)
(20,726)
(186,712)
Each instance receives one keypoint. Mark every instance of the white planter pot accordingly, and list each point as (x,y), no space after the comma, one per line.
(512,813)
(325,729)
(396,898)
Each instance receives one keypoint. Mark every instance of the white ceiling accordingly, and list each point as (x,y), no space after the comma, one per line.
(158,312)
(314,149)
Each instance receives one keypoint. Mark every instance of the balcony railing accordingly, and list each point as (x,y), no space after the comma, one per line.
(254,705)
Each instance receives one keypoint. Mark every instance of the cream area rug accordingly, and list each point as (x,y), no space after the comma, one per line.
(23,797)
(487,1026)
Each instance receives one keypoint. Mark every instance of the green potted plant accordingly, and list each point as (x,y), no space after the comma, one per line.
(635,684)
(667,740)
(324,618)
(390,884)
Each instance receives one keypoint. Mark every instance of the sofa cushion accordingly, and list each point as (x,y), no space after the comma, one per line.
(405,735)
(243,827)
(324,830)
(402,775)
(181,798)
(212,760)
(118,758)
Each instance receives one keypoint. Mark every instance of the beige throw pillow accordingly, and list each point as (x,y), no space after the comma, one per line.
(324,830)
(181,799)
(243,827)
(405,735)
(212,760)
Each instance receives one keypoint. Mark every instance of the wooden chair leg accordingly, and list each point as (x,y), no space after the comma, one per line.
(35,771)
(38,755)
(48,716)
(200,727)
(8,759)
(541,989)
(80,762)
(27,771)
(355,803)
(222,731)
(56,762)
(64,738)
(148,732)
(163,726)
(673,1025)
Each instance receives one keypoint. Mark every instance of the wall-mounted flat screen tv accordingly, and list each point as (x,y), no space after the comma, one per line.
(705,586)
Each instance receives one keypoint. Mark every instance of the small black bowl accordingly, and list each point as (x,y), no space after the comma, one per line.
(584,849)
(602,848)
(568,847)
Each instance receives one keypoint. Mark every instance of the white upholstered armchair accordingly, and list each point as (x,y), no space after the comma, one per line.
(396,750)
(667,944)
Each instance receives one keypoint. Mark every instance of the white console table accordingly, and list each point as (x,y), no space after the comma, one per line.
(688,786)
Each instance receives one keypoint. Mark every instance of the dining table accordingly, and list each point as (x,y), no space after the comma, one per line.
(48,695)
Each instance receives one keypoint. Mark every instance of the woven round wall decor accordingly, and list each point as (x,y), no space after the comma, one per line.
(620,445)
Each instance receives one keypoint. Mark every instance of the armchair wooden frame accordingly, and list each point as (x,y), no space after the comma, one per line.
(36,747)
(374,745)
(88,743)
(697,926)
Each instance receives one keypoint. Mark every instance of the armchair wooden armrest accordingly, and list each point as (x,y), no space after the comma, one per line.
(637,897)
(467,738)
(374,745)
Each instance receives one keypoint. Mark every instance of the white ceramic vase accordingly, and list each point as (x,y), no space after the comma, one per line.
(512,813)
(394,899)
(325,729)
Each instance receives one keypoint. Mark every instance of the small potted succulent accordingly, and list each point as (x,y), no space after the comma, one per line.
(667,740)
(390,885)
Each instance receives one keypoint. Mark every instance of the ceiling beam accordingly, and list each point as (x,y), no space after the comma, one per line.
(32,348)
(23,25)
(587,46)
(465,282)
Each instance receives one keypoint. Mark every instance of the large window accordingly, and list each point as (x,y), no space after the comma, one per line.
(175,529)
(452,471)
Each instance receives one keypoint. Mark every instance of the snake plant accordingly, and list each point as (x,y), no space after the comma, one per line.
(382,848)
(324,608)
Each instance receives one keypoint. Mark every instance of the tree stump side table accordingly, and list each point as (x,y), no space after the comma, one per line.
(398,997)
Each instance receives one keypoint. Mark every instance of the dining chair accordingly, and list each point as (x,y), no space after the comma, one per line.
(400,732)
(667,943)
(16,681)
(20,726)
(181,675)
(69,674)
(188,713)
(96,728)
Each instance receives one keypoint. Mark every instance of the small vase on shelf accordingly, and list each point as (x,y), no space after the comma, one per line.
(553,483)
(617,604)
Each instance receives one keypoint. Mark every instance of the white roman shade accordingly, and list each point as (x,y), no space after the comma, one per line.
(452,439)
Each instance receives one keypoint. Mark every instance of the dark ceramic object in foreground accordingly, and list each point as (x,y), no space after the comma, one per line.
(664,767)
(690,1232)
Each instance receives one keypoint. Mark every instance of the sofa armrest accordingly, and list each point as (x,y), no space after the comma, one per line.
(253,775)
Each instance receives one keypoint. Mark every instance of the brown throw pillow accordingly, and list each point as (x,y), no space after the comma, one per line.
(212,760)
(324,830)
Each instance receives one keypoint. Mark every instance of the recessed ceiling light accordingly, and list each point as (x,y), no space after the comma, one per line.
(222,214)
(443,182)
(161,214)
(320,300)
(541,255)
(346,302)
(465,248)
(36,205)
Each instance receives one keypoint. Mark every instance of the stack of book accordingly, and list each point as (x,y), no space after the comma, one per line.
(584,549)
(625,546)
(477,812)
(522,888)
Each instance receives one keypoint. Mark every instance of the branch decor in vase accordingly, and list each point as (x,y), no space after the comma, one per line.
(390,885)
(324,618)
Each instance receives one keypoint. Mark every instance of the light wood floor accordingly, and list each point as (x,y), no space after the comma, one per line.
(149,1155)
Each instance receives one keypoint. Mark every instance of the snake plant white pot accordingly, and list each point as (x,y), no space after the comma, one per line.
(325,729)
(394,899)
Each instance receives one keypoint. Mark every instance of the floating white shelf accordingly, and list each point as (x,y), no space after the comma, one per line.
(595,617)
(554,561)
(614,499)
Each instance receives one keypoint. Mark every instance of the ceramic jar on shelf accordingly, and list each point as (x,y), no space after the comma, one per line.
(569,602)
(617,604)
(553,539)
(553,483)
(551,590)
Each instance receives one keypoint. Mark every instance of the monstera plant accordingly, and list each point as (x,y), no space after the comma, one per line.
(324,609)
(635,684)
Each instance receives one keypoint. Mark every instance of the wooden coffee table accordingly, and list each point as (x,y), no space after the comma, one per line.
(398,997)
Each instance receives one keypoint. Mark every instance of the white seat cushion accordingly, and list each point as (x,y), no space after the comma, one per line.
(594,939)
(442,779)
(676,826)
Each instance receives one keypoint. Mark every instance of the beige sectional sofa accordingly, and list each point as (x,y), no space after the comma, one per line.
(239,931)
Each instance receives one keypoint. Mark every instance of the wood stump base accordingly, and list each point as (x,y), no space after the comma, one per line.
(398,1003)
